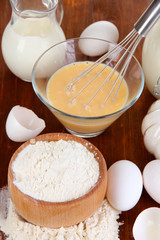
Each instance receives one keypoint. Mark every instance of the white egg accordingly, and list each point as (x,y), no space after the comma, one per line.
(102,30)
(23,124)
(147,225)
(125,185)
(151,179)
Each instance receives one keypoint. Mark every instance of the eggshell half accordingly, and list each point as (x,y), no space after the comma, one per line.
(152,139)
(151,179)
(23,124)
(150,119)
(125,185)
(147,225)
(102,30)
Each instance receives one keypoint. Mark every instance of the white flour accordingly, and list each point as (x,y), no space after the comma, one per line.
(55,171)
(102,225)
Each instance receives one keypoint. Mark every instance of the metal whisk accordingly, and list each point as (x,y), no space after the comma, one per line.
(130,43)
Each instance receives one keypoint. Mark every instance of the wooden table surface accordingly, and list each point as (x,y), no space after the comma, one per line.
(123,139)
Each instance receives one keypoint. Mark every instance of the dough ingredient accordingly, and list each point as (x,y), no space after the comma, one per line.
(55,171)
(103,225)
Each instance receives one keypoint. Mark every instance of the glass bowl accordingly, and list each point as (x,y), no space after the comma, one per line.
(80,50)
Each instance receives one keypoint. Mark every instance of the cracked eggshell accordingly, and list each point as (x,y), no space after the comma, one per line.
(151,179)
(150,119)
(102,30)
(146,225)
(23,124)
(152,139)
(151,129)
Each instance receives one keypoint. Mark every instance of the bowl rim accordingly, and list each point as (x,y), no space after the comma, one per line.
(66,137)
(86,117)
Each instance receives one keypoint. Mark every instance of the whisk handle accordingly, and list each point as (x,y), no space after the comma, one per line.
(148,18)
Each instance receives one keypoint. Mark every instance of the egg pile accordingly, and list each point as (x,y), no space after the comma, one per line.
(125,181)
(124,189)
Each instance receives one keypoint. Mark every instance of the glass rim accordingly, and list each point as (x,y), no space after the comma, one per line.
(123,109)
(39,13)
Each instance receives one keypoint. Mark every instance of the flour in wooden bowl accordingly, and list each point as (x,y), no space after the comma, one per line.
(55,171)
(102,225)
(57,180)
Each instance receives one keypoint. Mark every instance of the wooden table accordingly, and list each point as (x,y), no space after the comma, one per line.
(122,140)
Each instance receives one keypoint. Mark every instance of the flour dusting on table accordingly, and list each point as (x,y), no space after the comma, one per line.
(103,225)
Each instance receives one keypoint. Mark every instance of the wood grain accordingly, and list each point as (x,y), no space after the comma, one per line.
(123,139)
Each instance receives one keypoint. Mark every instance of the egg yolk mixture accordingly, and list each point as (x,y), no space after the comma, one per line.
(61,95)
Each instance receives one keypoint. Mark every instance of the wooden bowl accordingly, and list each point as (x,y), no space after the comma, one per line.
(58,214)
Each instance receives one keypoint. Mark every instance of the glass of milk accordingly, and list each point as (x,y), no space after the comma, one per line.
(33,28)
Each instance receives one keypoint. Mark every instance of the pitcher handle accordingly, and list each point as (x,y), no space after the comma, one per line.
(59,12)
(156,88)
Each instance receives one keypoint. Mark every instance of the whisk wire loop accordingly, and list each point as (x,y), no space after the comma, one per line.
(101,59)
(128,45)
(133,35)
(125,65)
(123,72)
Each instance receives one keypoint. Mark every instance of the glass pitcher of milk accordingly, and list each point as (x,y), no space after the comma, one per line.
(33,28)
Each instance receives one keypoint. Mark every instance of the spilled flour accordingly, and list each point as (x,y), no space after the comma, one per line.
(102,225)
